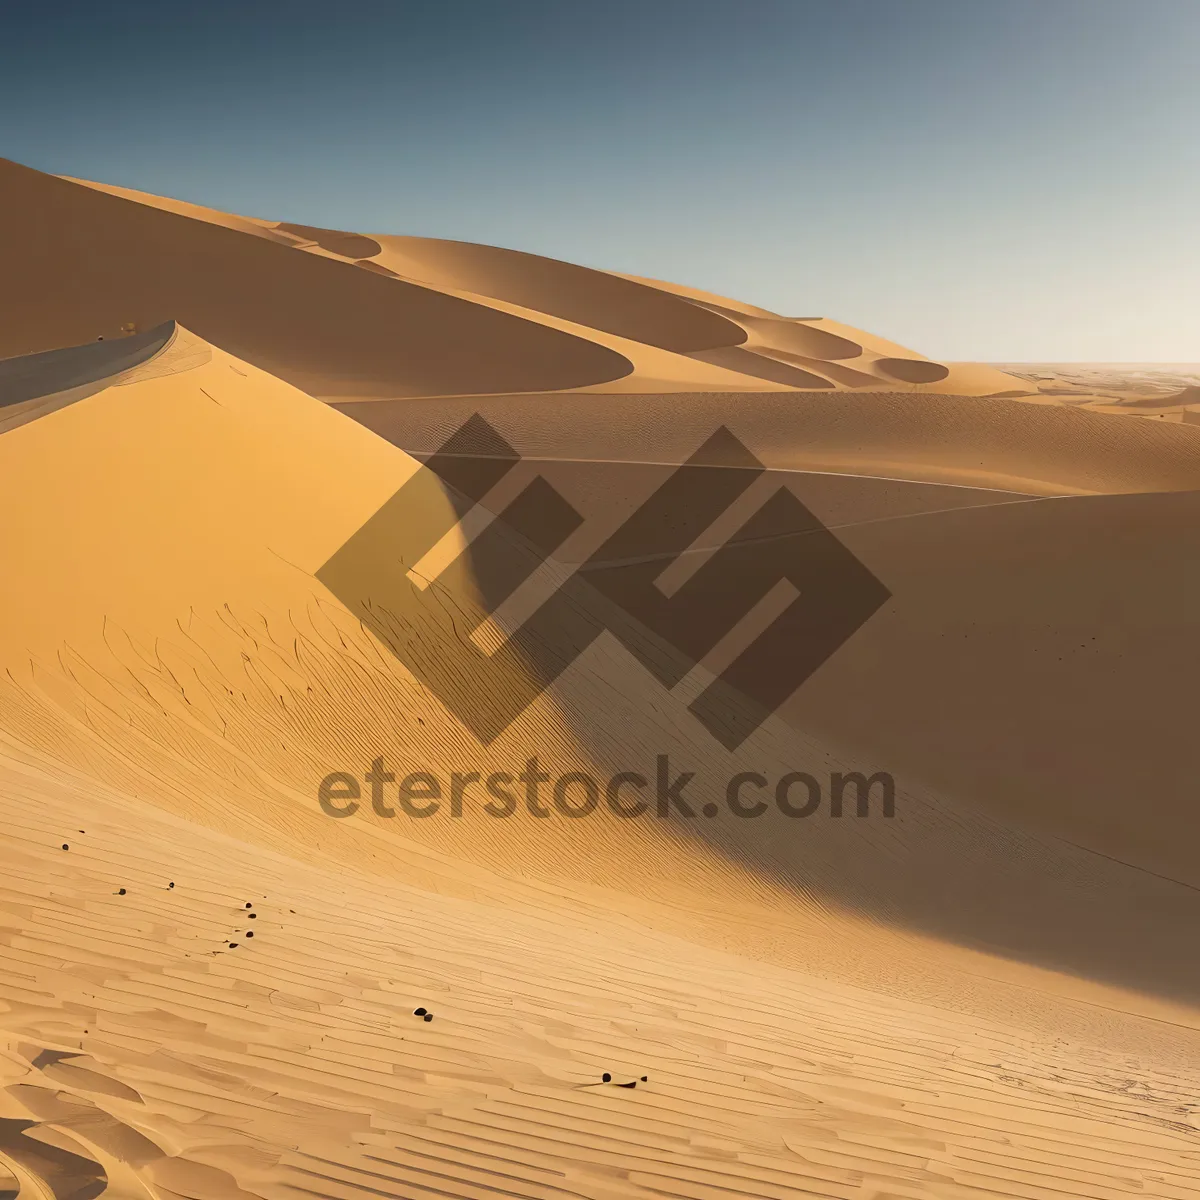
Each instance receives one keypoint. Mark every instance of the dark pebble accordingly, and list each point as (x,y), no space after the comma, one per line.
(419,1012)
(427,1017)
(606,1078)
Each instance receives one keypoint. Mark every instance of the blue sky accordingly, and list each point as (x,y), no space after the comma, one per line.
(1007,180)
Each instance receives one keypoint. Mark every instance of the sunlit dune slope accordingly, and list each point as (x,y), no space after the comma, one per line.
(604,302)
(139,1050)
(192,648)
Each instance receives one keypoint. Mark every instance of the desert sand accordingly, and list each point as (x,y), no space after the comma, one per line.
(208,986)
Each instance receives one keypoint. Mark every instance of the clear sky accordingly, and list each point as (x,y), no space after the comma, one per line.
(1006,180)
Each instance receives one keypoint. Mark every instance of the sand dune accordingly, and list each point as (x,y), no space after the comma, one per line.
(994,443)
(293,1064)
(1083,727)
(593,298)
(418,317)
(38,384)
(367,335)
(170,720)
(226,552)
(456,318)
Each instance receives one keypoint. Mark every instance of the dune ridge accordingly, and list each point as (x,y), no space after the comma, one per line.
(571,327)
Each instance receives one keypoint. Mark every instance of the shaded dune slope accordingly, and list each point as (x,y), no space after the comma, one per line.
(1036,660)
(974,441)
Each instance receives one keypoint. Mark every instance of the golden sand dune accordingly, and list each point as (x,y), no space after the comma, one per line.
(314,319)
(608,303)
(1159,391)
(415,316)
(208,986)
(293,1064)
(456,318)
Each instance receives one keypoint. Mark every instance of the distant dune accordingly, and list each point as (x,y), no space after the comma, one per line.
(417,317)
(209,987)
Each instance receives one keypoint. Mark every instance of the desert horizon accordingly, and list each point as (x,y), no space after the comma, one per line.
(478,725)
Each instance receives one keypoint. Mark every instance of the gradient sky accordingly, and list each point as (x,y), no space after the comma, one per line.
(1005,180)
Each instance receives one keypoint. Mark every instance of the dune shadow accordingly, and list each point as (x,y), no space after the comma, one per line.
(911,370)
(746,362)
(32,376)
(347,245)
